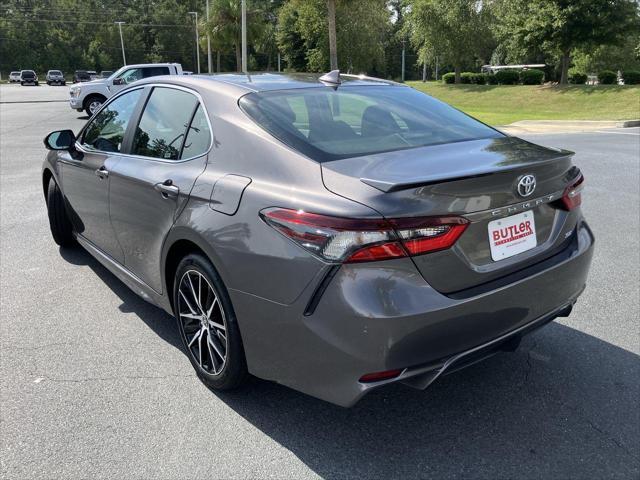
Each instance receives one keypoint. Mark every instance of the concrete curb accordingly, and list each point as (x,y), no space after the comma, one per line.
(565,126)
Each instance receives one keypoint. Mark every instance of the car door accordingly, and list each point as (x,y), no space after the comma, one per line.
(85,178)
(150,186)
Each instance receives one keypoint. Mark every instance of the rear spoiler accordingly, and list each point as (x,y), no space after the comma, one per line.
(425,180)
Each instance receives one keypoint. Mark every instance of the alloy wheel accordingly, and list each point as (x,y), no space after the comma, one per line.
(94,106)
(203,322)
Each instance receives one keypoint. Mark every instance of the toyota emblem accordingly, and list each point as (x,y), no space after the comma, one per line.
(526,185)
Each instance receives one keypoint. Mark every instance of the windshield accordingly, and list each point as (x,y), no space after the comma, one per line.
(327,124)
(55,72)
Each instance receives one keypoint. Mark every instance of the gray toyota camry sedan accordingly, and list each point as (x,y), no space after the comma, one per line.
(333,234)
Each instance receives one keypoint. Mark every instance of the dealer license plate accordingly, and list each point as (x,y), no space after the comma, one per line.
(512,235)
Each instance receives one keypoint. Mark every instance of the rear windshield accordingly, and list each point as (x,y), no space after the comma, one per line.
(327,124)
(28,73)
(55,72)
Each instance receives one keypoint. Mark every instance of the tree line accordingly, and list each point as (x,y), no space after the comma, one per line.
(367,36)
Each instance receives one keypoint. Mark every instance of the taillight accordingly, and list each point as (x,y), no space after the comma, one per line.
(572,196)
(338,239)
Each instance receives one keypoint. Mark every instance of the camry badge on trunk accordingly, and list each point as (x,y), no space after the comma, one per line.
(526,185)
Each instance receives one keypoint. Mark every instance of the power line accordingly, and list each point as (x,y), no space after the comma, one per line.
(79,22)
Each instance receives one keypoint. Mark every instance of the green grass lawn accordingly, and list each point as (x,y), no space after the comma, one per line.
(505,104)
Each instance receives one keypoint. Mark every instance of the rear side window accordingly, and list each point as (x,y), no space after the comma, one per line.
(154,71)
(198,137)
(327,124)
(106,130)
(163,124)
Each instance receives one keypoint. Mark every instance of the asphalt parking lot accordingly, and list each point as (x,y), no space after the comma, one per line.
(94,382)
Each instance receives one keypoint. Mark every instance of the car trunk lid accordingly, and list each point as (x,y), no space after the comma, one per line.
(475,179)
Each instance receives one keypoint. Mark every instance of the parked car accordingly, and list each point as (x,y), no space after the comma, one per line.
(93,74)
(14,77)
(81,76)
(336,235)
(28,77)
(55,77)
(106,73)
(89,97)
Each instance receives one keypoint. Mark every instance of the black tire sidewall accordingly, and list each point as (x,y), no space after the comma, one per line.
(234,372)
(59,223)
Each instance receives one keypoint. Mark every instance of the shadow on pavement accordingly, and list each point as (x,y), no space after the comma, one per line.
(155,318)
(563,406)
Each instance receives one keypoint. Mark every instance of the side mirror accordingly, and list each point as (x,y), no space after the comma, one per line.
(118,81)
(60,140)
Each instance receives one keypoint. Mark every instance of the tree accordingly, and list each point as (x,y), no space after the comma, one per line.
(362,27)
(558,27)
(225,28)
(455,29)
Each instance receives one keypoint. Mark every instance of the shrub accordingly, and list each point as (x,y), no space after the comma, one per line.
(467,77)
(507,77)
(532,76)
(490,78)
(607,77)
(480,78)
(578,78)
(631,77)
(449,77)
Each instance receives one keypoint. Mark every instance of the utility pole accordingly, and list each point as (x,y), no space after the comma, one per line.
(244,36)
(403,42)
(333,48)
(278,61)
(436,68)
(197,39)
(209,59)
(124,59)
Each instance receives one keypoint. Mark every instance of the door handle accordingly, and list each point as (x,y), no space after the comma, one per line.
(167,189)
(102,172)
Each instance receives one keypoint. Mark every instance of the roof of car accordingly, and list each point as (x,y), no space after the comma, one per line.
(240,84)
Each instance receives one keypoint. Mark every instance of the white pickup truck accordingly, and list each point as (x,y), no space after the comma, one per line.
(90,95)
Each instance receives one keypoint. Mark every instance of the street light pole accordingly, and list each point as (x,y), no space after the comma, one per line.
(124,59)
(244,36)
(197,39)
(403,41)
(209,59)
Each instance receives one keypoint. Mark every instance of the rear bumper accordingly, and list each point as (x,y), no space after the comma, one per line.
(382,316)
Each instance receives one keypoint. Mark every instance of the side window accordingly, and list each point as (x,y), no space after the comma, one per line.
(164,123)
(198,137)
(131,75)
(154,71)
(106,130)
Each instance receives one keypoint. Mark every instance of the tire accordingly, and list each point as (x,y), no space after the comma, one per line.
(92,102)
(221,373)
(59,223)
(49,83)
(22,84)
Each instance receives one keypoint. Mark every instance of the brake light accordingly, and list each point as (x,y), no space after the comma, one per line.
(572,196)
(338,239)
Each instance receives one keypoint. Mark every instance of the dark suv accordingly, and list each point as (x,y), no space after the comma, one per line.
(28,77)
(81,76)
